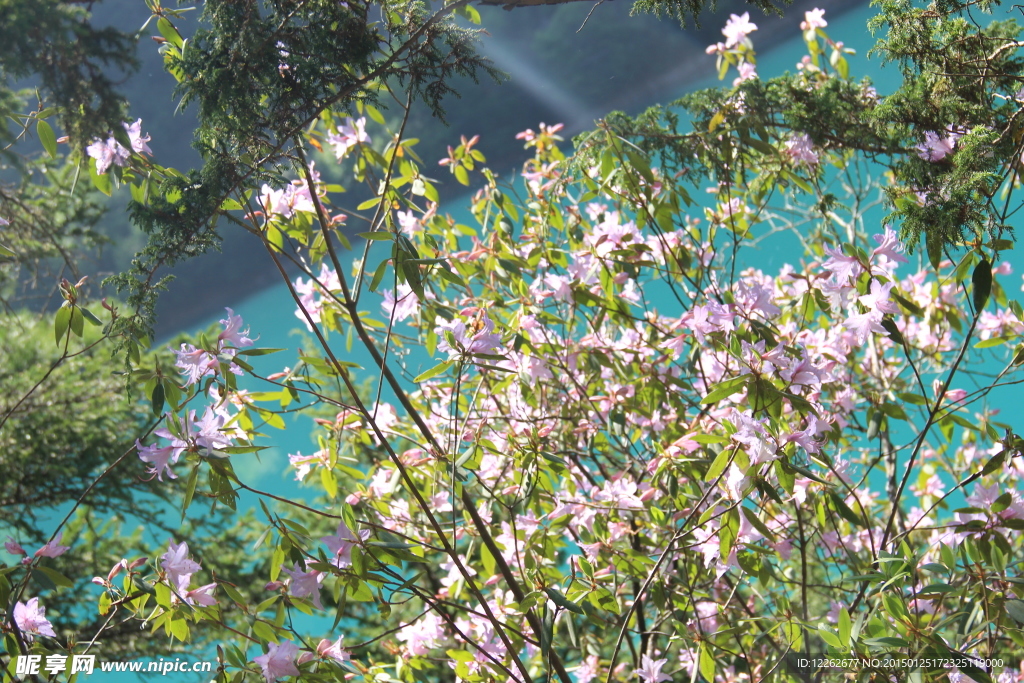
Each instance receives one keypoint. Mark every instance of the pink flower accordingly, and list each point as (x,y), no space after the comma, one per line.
(160,457)
(801,149)
(404,306)
(210,434)
(53,548)
(279,661)
(31,620)
(107,153)
(112,152)
(13,547)
(195,363)
(350,134)
(843,268)
(484,340)
(737,29)
(178,565)
(333,650)
(813,19)
(305,584)
(201,596)
(650,669)
(878,298)
(408,222)
(340,544)
(588,670)
(935,148)
(135,136)
(956,395)
(861,325)
(747,72)
(422,635)
(233,335)
(888,253)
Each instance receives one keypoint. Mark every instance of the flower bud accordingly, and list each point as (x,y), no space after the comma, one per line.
(116,569)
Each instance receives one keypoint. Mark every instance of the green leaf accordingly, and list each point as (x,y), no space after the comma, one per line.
(77,321)
(157,399)
(258,352)
(47,137)
(434,371)
(7,253)
(170,34)
(994,341)
(379,235)
(725,389)
(369,204)
(829,637)
(61,322)
(329,481)
(264,631)
(55,576)
(706,663)
(982,284)
(1015,608)
(100,182)
(892,331)
(562,601)
(933,243)
(845,628)
(178,628)
(994,463)
(718,465)
(728,531)
(378,275)
(893,410)
(93,320)
(907,304)
(844,510)
(758,524)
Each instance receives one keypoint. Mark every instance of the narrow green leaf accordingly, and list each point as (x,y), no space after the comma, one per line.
(55,576)
(845,628)
(718,465)
(77,321)
(100,182)
(329,482)
(982,282)
(758,524)
(706,663)
(725,389)
(93,320)
(157,399)
(1015,608)
(169,33)
(379,235)
(829,637)
(47,137)
(60,323)
(434,371)
(190,489)
(993,341)
(257,352)
(378,274)
(562,601)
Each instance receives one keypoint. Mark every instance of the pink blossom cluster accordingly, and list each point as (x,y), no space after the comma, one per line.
(111,152)
(198,363)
